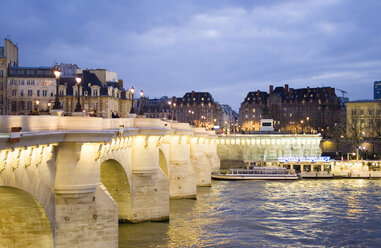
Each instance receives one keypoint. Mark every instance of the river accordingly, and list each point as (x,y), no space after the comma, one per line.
(308,213)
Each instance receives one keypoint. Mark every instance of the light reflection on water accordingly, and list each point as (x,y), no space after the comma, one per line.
(308,213)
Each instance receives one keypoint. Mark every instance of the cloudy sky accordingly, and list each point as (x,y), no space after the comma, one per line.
(226,47)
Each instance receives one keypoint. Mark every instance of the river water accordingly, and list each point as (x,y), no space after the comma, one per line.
(308,213)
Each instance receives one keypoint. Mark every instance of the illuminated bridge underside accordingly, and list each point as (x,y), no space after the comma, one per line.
(235,150)
(78,176)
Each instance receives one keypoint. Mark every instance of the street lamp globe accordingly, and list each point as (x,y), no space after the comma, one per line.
(141,93)
(57,72)
(78,79)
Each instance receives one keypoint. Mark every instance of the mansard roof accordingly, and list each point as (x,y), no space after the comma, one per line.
(197,97)
(293,95)
(88,80)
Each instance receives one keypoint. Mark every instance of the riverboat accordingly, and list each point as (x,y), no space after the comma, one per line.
(257,173)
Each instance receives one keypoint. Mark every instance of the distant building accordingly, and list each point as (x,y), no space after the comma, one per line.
(377,90)
(68,70)
(364,119)
(30,89)
(157,108)
(8,57)
(196,108)
(293,110)
(229,118)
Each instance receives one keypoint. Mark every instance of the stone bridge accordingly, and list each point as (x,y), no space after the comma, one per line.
(68,180)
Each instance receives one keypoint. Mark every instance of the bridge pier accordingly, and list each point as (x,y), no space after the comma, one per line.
(200,163)
(150,186)
(182,179)
(85,213)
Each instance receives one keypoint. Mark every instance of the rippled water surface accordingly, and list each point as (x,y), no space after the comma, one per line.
(308,213)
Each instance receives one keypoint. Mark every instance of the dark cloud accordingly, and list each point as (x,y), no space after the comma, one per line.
(226,47)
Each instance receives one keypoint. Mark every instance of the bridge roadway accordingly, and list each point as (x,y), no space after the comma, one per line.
(68,180)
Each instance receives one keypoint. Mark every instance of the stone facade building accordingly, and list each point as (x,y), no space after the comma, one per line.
(311,110)
(97,98)
(8,57)
(30,89)
(364,119)
(196,108)
(157,108)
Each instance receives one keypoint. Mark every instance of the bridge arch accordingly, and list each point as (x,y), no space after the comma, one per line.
(114,178)
(163,163)
(24,222)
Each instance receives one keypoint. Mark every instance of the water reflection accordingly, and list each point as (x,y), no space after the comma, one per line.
(263,213)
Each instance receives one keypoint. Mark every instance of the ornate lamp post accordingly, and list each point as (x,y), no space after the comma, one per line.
(174,111)
(141,103)
(302,122)
(57,74)
(78,107)
(37,107)
(170,110)
(49,106)
(132,90)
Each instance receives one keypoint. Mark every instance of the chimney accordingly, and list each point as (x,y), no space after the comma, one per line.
(120,82)
(271,89)
(286,88)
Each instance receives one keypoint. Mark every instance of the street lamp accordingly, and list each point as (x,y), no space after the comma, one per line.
(49,106)
(141,102)
(170,110)
(38,107)
(174,111)
(308,124)
(78,107)
(302,125)
(57,74)
(132,90)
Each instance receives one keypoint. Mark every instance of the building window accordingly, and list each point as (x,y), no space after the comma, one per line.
(61,93)
(29,105)
(21,105)
(13,106)
(361,111)
(30,92)
(370,123)
(14,92)
(1,73)
(38,92)
(354,112)
(44,93)
(370,111)
(21,92)
(362,123)
(95,92)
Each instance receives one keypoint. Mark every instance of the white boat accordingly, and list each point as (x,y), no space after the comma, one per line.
(257,173)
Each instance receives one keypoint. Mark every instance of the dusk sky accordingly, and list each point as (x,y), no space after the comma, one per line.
(226,47)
